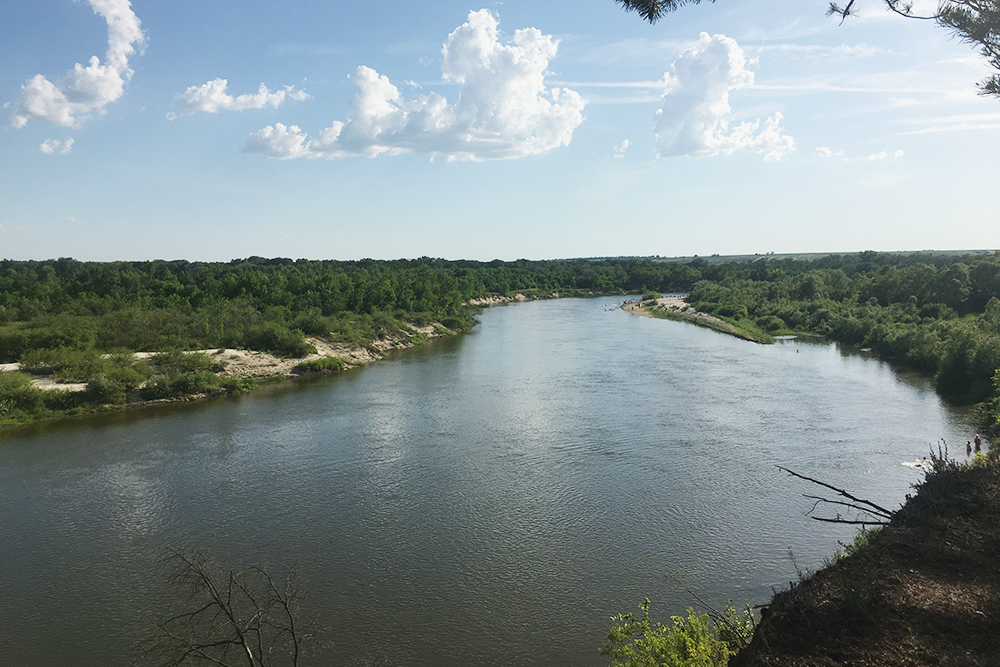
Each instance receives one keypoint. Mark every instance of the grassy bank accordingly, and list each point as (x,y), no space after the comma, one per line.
(744,329)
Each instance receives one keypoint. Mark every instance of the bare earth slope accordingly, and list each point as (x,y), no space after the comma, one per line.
(926,591)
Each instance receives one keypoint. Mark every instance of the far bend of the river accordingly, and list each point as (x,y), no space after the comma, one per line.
(487,500)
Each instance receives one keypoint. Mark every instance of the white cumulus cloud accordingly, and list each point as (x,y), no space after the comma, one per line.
(694,118)
(87,88)
(503,109)
(52,146)
(212,97)
(621,148)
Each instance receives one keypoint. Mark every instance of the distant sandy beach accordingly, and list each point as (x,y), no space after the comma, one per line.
(678,306)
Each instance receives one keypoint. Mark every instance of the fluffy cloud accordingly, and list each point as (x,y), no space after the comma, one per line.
(503,110)
(212,97)
(694,118)
(85,89)
(52,146)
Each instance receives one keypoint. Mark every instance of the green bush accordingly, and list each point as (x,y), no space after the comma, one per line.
(312,323)
(127,377)
(323,365)
(157,387)
(194,382)
(19,399)
(238,385)
(65,364)
(60,400)
(102,389)
(689,642)
(175,362)
(770,323)
(459,322)
(278,339)
(181,384)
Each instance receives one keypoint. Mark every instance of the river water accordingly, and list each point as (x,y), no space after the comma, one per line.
(489,500)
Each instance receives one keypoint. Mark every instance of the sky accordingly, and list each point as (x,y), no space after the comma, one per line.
(320,129)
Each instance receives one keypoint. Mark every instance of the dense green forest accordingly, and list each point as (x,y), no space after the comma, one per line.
(269,304)
(939,317)
(82,320)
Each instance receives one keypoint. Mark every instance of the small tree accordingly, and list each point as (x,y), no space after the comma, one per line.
(244,617)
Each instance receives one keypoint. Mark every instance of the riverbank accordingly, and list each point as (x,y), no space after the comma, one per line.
(923,590)
(676,308)
(36,397)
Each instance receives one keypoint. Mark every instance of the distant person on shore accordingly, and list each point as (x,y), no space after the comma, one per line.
(979,443)
(968,448)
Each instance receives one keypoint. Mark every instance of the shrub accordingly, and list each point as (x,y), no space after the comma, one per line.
(181,384)
(174,362)
(238,385)
(459,322)
(279,339)
(312,323)
(689,642)
(157,387)
(127,377)
(770,323)
(102,389)
(65,364)
(19,399)
(323,365)
(194,382)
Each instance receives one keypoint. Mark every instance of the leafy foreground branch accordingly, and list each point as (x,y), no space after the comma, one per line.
(698,640)
(243,617)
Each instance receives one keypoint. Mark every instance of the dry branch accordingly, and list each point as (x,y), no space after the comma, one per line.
(881,515)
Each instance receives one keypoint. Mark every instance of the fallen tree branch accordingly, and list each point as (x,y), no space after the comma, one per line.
(881,515)
(819,500)
(853,523)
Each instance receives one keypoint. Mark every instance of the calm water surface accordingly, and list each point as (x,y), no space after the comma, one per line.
(487,500)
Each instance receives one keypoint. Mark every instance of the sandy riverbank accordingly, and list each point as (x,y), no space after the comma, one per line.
(497,300)
(249,363)
(672,304)
(677,308)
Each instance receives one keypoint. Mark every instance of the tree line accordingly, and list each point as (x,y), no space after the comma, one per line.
(938,314)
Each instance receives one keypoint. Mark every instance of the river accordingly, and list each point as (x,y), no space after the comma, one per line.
(491,499)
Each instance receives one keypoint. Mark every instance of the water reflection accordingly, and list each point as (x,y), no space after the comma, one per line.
(487,500)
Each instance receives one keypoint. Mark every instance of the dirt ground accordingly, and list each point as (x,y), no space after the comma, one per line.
(926,591)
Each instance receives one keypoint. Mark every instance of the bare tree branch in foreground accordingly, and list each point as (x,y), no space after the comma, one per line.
(879,515)
(244,617)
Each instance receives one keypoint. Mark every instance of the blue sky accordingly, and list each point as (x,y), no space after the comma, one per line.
(328,130)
